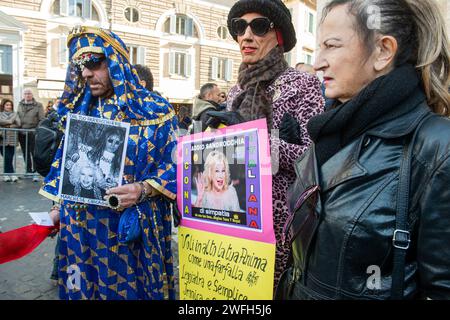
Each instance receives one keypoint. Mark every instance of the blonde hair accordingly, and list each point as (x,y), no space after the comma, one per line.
(420,30)
(212,159)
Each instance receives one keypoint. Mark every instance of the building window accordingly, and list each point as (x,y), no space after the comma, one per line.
(288,58)
(221,69)
(307,58)
(75,8)
(132,14)
(59,52)
(182,25)
(309,22)
(180,64)
(5,59)
(222,32)
(137,54)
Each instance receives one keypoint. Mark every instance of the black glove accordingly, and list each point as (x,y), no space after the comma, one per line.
(290,130)
(176,214)
(227,118)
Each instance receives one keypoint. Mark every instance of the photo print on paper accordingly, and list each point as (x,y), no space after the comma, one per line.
(93,158)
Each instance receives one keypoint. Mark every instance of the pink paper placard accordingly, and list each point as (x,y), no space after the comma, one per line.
(245,209)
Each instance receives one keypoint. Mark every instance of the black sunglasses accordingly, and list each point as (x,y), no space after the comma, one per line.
(92,63)
(260,26)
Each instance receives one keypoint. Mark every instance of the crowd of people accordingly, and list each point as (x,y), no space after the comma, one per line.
(362,158)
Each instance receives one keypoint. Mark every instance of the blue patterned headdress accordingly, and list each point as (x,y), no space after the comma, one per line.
(129,101)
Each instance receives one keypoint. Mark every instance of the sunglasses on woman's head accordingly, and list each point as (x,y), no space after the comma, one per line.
(259,26)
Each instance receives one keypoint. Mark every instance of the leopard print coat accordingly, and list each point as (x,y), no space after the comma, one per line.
(300,95)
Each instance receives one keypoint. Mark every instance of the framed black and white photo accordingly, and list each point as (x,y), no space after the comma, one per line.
(93,158)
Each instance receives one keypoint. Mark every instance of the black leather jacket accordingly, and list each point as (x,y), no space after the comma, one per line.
(346,227)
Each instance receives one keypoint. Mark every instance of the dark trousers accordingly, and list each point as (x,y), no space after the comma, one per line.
(8,158)
(27,147)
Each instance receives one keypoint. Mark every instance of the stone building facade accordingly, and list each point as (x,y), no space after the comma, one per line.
(184,42)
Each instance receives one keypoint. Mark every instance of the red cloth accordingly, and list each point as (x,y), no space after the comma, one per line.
(280,38)
(17,243)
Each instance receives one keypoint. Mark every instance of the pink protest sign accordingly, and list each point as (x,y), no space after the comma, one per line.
(225,182)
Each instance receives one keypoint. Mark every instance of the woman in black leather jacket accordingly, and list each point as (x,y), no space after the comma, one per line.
(373,217)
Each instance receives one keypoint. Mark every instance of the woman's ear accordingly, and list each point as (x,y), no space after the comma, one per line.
(386,51)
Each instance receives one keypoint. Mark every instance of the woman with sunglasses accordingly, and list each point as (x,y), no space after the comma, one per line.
(268,88)
(371,202)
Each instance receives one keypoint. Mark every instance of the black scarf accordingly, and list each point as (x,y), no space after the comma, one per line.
(377,103)
(253,102)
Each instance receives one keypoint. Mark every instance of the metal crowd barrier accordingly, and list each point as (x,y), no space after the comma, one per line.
(20,158)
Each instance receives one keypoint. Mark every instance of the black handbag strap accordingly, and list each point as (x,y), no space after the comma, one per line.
(402,234)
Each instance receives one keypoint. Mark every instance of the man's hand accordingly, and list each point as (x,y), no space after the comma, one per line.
(54,215)
(128,194)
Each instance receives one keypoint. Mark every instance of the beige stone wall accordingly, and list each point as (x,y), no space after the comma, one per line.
(205,66)
(35,47)
(22,4)
(210,17)
(151,52)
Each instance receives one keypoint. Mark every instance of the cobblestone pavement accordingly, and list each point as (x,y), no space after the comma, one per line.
(28,277)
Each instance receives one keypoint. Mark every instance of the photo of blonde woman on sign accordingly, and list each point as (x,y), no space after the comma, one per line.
(214,187)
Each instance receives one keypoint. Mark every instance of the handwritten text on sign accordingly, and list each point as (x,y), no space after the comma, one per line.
(214,266)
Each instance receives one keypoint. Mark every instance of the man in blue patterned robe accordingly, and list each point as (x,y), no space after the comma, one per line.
(93,263)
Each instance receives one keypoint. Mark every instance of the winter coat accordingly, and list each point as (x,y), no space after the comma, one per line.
(9,120)
(345,214)
(300,95)
(30,114)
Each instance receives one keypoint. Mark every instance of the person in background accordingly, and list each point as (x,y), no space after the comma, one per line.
(268,88)
(303,67)
(145,76)
(49,107)
(31,113)
(208,100)
(184,121)
(223,100)
(373,193)
(8,140)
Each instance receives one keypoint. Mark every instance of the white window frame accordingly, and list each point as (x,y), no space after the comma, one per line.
(184,66)
(308,58)
(219,35)
(139,57)
(69,8)
(181,25)
(63,52)
(221,69)
(310,17)
(6,60)
(132,14)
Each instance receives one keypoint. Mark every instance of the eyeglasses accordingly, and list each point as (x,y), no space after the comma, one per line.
(260,26)
(116,142)
(89,61)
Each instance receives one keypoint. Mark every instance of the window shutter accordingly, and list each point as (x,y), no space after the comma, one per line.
(171,63)
(229,70)
(188,66)
(63,7)
(87,9)
(306,20)
(189,27)
(141,55)
(173,24)
(214,67)
(72,8)
(62,50)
